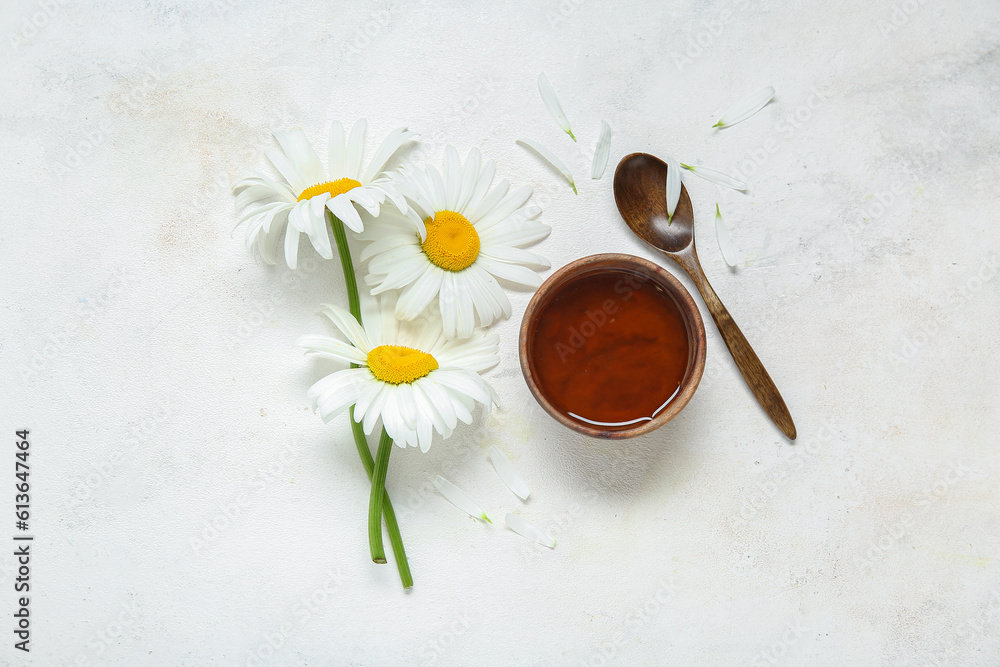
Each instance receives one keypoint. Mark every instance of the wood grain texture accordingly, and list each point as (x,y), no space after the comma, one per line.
(640,193)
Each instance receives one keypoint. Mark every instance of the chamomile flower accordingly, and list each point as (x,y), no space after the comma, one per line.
(407,374)
(458,238)
(296,204)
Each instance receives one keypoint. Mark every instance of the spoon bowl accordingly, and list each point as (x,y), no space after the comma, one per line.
(641,196)
(637,178)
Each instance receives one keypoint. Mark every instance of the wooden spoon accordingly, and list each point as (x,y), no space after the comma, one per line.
(641,195)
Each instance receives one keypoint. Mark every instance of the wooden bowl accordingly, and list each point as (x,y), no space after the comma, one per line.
(693,323)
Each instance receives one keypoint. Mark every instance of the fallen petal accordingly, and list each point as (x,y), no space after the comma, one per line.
(552,104)
(508,474)
(549,157)
(726,244)
(746,107)
(459,498)
(673,187)
(603,151)
(529,530)
(716,177)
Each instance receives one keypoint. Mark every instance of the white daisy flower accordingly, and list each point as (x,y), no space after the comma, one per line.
(408,373)
(457,240)
(299,200)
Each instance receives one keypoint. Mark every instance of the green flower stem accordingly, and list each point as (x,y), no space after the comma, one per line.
(340,235)
(378,494)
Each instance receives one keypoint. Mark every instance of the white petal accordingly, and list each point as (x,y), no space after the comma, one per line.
(552,104)
(464,382)
(716,177)
(673,186)
(342,207)
(333,348)
(515,256)
(482,184)
(392,143)
(348,326)
(452,178)
(511,477)
(287,169)
(504,209)
(487,203)
(549,157)
(338,152)
(517,235)
(726,244)
(319,234)
(459,498)
(518,275)
(603,151)
(746,107)
(529,530)
(301,154)
(419,294)
(490,285)
(375,408)
(291,243)
(355,147)
(470,175)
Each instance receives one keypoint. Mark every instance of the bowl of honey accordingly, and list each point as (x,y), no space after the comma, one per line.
(612,346)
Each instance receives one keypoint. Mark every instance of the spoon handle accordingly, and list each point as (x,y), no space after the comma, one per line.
(753,371)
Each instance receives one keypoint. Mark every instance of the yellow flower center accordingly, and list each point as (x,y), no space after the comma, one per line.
(396,364)
(337,187)
(452,242)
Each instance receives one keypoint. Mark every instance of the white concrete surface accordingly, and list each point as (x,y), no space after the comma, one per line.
(153,359)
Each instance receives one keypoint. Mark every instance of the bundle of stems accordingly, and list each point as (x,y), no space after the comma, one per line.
(379,504)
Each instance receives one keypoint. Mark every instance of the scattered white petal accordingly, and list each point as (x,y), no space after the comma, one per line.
(716,177)
(673,186)
(726,244)
(459,498)
(746,107)
(549,157)
(552,104)
(603,151)
(529,530)
(509,476)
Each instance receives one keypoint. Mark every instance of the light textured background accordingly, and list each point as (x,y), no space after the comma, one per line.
(190,509)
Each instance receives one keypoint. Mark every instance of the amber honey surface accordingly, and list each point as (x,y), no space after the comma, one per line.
(610,348)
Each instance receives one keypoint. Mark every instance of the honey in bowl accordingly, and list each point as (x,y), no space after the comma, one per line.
(610,348)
